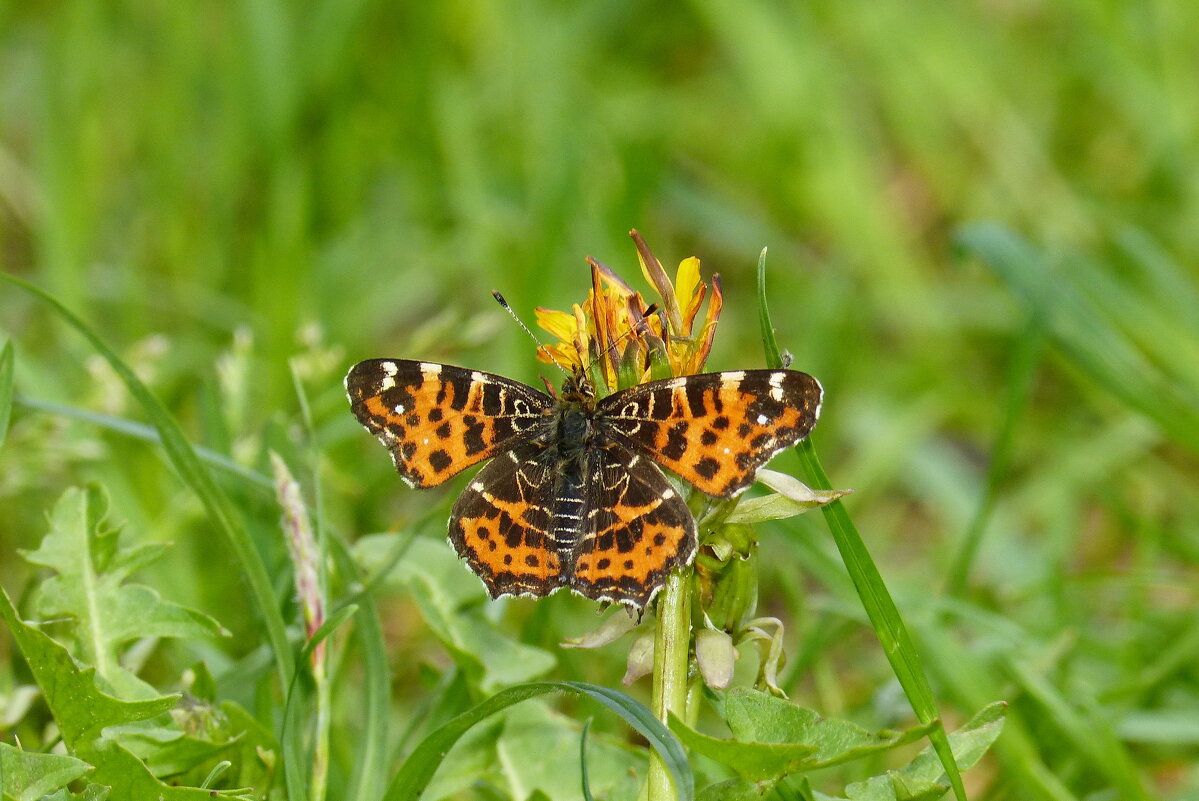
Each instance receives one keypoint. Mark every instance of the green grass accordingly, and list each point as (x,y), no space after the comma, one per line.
(981,229)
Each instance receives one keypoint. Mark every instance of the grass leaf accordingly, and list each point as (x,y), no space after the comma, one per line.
(421,764)
(6,379)
(876,600)
(1085,333)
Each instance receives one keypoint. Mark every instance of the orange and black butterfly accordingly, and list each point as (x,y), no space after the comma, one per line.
(574,496)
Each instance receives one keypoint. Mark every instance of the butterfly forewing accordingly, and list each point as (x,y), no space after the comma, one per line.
(715,429)
(436,419)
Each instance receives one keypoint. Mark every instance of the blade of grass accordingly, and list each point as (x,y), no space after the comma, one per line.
(293,728)
(876,600)
(583,761)
(1080,330)
(420,766)
(193,474)
(1021,370)
(6,371)
(320,761)
(145,433)
(1091,736)
(366,783)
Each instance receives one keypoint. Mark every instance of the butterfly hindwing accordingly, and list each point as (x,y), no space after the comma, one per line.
(715,429)
(500,524)
(436,419)
(636,528)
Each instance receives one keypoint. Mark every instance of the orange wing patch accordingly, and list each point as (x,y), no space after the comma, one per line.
(638,529)
(716,429)
(438,420)
(500,527)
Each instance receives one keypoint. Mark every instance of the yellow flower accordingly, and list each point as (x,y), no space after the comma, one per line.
(620,341)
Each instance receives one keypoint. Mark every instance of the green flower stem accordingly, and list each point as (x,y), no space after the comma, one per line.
(671,652)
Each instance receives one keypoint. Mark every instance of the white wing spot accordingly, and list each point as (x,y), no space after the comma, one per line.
(776,393)
(763,419)
(426,441)
(399,408)
(776,379)
(726,450)
(676,383)
(634,460)
(477,376)
(736,375)
(477,486)
(386,383)
(390,368)
(667,494)
(428,368)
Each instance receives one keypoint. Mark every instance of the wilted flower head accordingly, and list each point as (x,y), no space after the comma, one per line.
(620,340)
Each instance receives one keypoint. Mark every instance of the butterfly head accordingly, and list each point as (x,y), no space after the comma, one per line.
(578,387)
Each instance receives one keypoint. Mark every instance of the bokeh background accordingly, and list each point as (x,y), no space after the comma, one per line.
(229,191)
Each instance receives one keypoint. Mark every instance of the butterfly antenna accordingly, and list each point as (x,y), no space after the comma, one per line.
(500,300)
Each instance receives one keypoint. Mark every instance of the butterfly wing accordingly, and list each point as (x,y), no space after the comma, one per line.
(436,419)
(715,429)
(635,528)
(500,524)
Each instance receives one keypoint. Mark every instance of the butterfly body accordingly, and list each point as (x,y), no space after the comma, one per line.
(574,496)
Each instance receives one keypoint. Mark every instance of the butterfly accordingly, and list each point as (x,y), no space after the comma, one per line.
(574,495)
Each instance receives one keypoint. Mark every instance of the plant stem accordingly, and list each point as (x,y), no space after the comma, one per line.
(671,651)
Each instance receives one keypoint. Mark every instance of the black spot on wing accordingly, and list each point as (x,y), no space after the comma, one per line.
(707,467)
(439,460)
(676,441)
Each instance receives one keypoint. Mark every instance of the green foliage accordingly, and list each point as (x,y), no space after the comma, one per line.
(27,776)
(454,610)
(90,586)
(420,766)
(122,744)
(233,194)
(774,738)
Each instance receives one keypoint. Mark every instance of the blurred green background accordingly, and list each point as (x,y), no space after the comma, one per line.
(226,187)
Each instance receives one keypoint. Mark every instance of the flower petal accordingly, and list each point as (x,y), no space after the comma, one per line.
(560,325)
(686,285)
(652,268)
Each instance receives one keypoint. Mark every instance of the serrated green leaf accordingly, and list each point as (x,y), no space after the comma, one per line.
(82,711)
(131,780)
(923,777)
(79,707)
(27,775)
(759,716)
(410,782)
(91,567)
(731,790)
(775,738)
(93,792)
(451,604)
(755,762)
